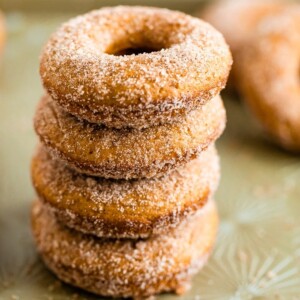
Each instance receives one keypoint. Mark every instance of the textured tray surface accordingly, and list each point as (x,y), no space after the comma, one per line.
(258,251)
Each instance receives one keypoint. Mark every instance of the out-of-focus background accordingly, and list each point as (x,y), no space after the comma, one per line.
(258,251)
(81,6)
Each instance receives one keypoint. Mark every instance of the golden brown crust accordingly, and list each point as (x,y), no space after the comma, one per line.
(140,116)
(189,66)
(125,209)
(128,153)
(125,268)
(269,77)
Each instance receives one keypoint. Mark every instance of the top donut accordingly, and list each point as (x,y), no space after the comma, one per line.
(134,66)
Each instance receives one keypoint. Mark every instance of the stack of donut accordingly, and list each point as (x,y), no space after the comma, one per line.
(127,166)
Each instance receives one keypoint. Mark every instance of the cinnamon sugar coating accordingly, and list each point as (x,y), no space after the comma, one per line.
(125,209)
(188,65)
(269,75)
(126,268)
(127,153)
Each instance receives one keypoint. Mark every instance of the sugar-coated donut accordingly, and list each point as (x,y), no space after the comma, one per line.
(128,153)
(125,209)
(269,75)
(126,268)
(188,66)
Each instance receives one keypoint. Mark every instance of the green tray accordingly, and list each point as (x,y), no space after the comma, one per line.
(258,251)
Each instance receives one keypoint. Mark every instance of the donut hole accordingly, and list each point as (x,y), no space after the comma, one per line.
(135,51)
(139,32)
(141,45)
(139,41)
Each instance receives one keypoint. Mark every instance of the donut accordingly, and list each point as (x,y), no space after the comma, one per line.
(269,77)
(134,66)
(124,209)
(126,268)
(127,153)
(2,32)
(237,20)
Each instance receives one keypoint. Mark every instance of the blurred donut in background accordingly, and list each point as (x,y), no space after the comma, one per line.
(237,21)
(268,71)
(2,32)
(264,37)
